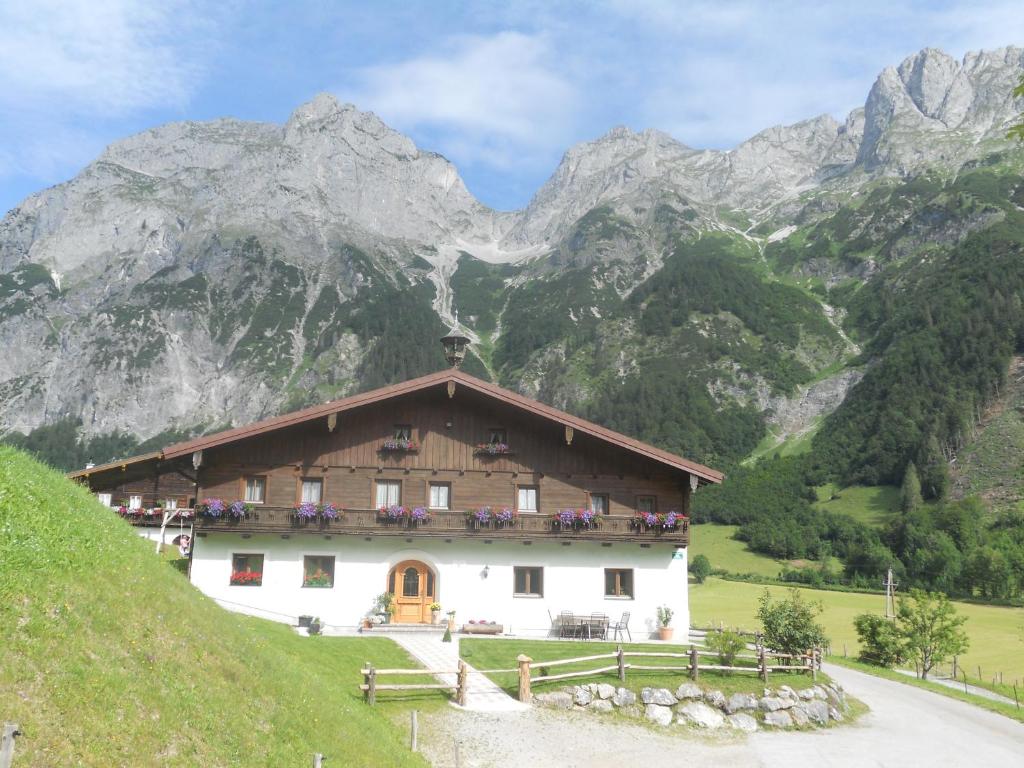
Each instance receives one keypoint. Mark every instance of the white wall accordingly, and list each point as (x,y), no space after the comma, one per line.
(573,578)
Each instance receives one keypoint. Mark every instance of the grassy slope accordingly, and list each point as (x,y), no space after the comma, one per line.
(716,542)
(996,634)
(501,654)
(111,658)
(870,504)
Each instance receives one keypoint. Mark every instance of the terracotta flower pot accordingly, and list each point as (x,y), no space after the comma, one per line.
(665,633)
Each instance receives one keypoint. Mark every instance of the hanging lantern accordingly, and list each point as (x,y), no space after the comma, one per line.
(455,347)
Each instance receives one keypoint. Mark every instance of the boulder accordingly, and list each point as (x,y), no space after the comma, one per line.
(623,698)
(605,691)
(800,717)
(740,701)
(700,715)
(770,704)
(778,719)
(806,693)
(786,692)
(817,710)
(689,691)
(835,714)
(742,722)
(582,696)
(659,714)
(661,696)
(555,699)
(715,699)
(819,692)
(601,705)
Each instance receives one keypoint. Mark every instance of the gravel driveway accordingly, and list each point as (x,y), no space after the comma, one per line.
(906,727)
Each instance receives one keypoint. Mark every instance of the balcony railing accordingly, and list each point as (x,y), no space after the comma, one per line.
(444,524)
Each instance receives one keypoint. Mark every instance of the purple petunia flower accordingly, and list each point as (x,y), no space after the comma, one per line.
(419,514)
(566,516)
(306,510)
(483,514)
(329,512)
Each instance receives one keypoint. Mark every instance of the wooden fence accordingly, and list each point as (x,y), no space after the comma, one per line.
(370,685)
(806,662)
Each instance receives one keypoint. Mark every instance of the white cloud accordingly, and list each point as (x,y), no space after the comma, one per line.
(485,98)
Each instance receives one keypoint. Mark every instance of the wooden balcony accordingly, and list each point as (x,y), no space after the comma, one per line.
(367,522)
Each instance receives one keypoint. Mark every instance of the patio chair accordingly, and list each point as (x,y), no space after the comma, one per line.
(622,625)
(597,625)
(566,624)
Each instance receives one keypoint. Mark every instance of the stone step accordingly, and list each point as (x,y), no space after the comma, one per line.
(405,629)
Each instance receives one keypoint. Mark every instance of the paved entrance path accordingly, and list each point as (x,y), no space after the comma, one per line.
(482,695)
(906,728)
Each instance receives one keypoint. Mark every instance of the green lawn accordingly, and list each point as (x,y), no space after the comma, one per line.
(717,544)
(996,634)
(487,654)
(873,505)
(110,657)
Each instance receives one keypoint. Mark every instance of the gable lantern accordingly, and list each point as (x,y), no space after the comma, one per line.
(454,347)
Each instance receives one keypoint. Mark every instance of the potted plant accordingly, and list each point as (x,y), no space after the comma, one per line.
(664,619)
(451,620)
(435,613)
(305,621)
(314,626)
(385,606)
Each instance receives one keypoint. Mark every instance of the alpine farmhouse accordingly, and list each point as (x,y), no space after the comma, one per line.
(444,489)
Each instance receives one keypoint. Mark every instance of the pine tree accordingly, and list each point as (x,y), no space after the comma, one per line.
(910,492)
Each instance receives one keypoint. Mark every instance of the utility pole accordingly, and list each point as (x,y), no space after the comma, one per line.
(890,590)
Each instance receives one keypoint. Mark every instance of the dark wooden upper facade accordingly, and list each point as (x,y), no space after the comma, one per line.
(341,450)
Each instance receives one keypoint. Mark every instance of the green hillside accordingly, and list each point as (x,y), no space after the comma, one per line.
(111,658)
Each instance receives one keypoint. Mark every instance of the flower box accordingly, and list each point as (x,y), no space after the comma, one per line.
(399,445)
(657,522)
(482,628)
(246,579)
(397,515)
(493,449)
(575,520)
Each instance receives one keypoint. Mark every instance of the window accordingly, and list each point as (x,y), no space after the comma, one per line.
(526,498)
(318,571)
(389,493)
(134,502)
(256,489)
(403,432)
(105,499)
(646,504)
(312,490)
(171,504)
(618,582)
(411,582)
(497,436)
(246,570)
(599,503)
(528,581)
(440,496)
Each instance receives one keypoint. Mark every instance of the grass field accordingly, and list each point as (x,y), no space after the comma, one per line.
(996,634)
(873,505)
(717,544)
(501,654)
(110,657)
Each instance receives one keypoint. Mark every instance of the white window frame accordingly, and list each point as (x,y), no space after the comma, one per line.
(263,490)
(135,501)
(311,482)
(170,504)
(528,490)
(388,499)
(439,487)
(106,499)
(606,498)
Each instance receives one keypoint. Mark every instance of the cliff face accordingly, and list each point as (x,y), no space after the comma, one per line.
(205,273)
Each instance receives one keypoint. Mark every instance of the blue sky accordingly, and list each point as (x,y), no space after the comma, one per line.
(501,89)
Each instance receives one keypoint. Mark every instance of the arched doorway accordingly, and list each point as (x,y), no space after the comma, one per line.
(414,586)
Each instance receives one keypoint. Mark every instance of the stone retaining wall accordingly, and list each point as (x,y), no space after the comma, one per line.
(690,705)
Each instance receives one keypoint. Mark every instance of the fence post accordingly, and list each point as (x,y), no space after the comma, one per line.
(524,676)
(371,684)
(415,731)
(621,658)
(463,678)
(1016,700)
(10,731)
(694,668)
(318,760)
(814,664)
(764,664)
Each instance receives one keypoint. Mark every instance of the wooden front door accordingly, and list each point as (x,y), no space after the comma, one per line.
(412,583)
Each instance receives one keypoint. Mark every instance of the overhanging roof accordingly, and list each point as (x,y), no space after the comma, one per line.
(119,464)
(579,425)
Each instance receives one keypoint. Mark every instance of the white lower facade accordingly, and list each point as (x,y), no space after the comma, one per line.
(474,579)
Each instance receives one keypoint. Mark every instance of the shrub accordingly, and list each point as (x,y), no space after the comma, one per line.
(700,567)
(727,644)
(789,624)
(880,640)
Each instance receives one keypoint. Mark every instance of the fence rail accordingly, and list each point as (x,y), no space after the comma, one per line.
(370,685)
(809,662)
